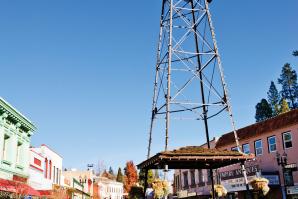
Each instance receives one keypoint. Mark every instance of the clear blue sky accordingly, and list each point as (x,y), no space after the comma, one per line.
(82,71)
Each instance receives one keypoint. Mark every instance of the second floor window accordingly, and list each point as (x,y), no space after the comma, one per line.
(245,148)
(258,147)
(287,138)
(5,147)
(272,144)
(19,153)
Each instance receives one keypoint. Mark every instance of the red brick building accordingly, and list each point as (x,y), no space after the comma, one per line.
(264,139)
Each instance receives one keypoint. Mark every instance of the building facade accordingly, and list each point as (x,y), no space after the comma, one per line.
(109,189)
(267,139)
(15,135)
(82,181)
(45,168)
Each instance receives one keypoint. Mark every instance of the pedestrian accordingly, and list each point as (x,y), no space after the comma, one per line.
(149,192)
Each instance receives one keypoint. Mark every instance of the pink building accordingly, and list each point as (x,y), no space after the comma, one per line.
(264,139)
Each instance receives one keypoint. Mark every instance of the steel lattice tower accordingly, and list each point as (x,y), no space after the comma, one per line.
(189,80)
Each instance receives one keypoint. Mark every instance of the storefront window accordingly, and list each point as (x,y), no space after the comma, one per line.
(288,177)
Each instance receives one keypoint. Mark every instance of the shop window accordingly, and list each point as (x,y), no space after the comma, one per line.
(287,139)
(272,144)
(288,175)
(258,147)
(246,149)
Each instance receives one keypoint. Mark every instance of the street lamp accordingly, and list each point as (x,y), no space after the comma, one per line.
(282,160)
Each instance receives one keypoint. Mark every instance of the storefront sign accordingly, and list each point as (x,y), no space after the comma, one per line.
(292,190)
(238,173)
(192,194)
(236,184)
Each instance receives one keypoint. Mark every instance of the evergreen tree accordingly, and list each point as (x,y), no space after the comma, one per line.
(111,171)
(295,53)
(273,98)
(288,81)
(284,106)
(263,111)
(150,177)
(119,176)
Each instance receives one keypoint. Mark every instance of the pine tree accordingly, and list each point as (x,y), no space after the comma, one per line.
(295,53)
(288,81)
(131,176)
(263,111)
(284,106)
(111,171)
(273,98)
(119,176)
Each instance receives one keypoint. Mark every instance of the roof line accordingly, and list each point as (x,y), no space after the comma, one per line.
(8,107)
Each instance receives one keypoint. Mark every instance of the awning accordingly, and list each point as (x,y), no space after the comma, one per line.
(45,192)
(17,187)
(194,157)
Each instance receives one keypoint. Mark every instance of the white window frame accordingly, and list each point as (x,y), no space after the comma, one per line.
(5,147)
(269,144)
(19,153)
(256,149)
(284,141)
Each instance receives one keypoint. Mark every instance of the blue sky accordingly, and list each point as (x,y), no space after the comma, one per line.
(82,71)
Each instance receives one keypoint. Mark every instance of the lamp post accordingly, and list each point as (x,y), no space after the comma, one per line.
(282,160)
(83,181)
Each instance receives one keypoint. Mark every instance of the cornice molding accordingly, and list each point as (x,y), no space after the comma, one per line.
(12,112)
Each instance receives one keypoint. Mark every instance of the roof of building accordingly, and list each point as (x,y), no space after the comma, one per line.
(280,121)
(16,115)
(194,157)
(44,145)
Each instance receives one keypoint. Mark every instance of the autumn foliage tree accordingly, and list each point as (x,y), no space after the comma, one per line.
(131,176)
